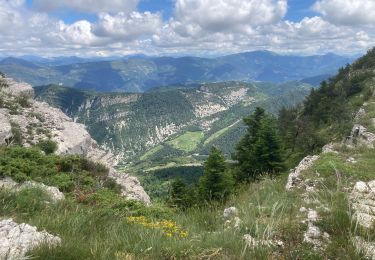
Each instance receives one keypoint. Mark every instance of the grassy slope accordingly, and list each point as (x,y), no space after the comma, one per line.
(219,133)
(94,233)
(267,211)
(188,141)
(151,152)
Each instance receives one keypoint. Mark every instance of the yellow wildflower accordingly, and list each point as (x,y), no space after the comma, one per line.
(168,227)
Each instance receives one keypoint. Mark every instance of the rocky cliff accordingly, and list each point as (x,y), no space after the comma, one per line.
(27,122)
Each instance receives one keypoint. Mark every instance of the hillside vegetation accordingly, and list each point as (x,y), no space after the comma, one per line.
(170,128)
(131,125)
(314,216)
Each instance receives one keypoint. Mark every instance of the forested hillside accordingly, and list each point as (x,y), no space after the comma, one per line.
(171,122)
(327,113)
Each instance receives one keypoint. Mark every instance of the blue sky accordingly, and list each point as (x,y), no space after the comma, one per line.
(297,9)
(180,27)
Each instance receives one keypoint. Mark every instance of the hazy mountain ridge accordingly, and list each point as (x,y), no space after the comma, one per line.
(142,73)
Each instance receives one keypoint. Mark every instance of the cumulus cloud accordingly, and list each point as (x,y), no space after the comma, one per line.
(89,6)
(308,36)
(9,14)
(196,27)
(347,12)
(194,16)
(127,27)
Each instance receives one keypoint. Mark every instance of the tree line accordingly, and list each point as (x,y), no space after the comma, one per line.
(272,144)
(259,151)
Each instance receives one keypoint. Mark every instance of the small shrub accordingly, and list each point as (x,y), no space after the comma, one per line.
(3,83)
(23,100)
(37,116)
(64,182)
(2,101)
(103,198)
(112,185)
(17,135)
(48,146)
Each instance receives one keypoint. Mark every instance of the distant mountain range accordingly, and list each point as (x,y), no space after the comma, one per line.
(142,73)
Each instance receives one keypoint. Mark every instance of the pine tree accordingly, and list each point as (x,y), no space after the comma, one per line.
(179,194)
(260,150)
(267,147)
(216,183)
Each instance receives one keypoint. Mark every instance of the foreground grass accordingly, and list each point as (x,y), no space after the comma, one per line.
(93,232)
(101,228)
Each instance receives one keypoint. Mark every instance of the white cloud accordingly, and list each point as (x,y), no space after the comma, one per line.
(194,16)
(127,27)
(79,32)
(347,12)
(196,28)
(89,6)
(9,15)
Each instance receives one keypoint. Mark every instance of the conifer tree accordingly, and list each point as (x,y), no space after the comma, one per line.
(260,150)
(216,182)
(179,194)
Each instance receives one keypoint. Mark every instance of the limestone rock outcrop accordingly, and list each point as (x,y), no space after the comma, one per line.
(53,192)
(16,240)
(5,129)
(360,136)
(294,178)
(230,212)
(253,243)
(365,247)
(131,187)
(362,200)
(313,235)
(38,121)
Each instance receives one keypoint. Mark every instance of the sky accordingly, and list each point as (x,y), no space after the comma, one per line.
(90,28)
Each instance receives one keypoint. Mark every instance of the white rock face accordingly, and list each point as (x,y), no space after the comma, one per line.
(253,243)
(367,248)
(294,176)
(17,239)
(71,137)
(230,212)
(19,88)
(362,201)
(313,235)
(235,96)
(360,136)
(205,110)
(162,133)
(131,188)
(53,192)
(5,127)
(329,148)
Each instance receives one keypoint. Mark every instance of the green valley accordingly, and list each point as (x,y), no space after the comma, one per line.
(169,122)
